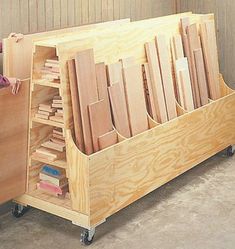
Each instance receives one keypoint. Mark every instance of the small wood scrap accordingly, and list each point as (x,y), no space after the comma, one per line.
(51,110)
(51,70)
(53,148)
(53,181)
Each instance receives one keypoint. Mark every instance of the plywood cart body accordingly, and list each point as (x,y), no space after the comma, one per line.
(107,181)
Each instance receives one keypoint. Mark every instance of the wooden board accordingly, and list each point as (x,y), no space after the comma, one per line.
(208,40)
(13,142)
(108,139)
(166,73)
(194,43)
(128,61)
(114,72)
(119,110)
(178,47)
(184,84)
(184,24)
(100,121)
(76,105)
(87,90)
(201,76)
(136,105)
(151,102)
(156,84)
(102,84)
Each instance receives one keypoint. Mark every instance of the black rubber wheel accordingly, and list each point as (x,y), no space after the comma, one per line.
(230,151)
(85,238)
(18,211)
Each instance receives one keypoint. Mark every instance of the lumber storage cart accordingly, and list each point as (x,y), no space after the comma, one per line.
(109,180)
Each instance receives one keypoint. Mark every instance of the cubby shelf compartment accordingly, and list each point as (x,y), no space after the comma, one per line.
(58,163)
(48,122)
(46,83)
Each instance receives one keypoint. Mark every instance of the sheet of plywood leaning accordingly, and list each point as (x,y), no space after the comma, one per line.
(13,141)
(13,52)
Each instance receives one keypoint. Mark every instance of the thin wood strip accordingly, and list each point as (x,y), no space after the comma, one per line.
(118,103)
(194,43)
(166,73)
(87,88)
(134,91)
(201,76)
(184,23)
(75,105)
(211,34)
(152,108)
(178,47)
(184,84)
(102,84)
(156,83)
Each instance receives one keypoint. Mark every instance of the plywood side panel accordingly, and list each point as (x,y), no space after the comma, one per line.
(112,188)
(13,142)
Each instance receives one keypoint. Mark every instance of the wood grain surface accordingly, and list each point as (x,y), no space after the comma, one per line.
(163,47)
(87,88)
(77,120)
(136,105)
(13,142)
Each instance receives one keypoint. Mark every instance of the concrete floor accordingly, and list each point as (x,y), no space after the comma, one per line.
(194,211)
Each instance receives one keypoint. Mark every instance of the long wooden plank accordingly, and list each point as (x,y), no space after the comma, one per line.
(100,120)
(201,76)
(115,74)
(136,105)
(151,103)
(194,43)
(156,83)
(178,47)
(87,88)
(184,84)
(208,38)
(119,110)
(102,84)
(166,73)
(128,61)
(75,105)
(184,24)
(108,139)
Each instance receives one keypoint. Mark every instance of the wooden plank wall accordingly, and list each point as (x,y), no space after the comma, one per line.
(224,12)
(31,16)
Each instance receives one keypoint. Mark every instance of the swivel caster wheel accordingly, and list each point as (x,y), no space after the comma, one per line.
(230,151)
(19,210)
(87,236)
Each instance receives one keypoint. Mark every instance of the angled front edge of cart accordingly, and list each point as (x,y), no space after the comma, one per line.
(107,181)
